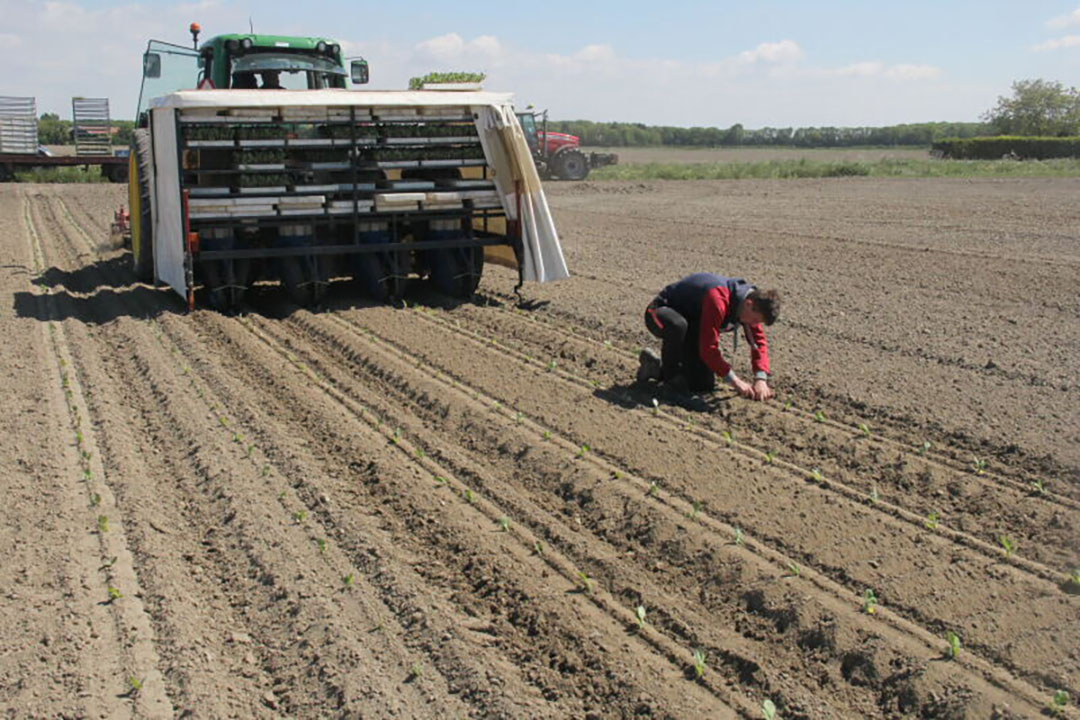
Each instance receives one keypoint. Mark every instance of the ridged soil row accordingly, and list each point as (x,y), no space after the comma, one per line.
(850,542)
(985,507)
(290,634)
(673,566)
(568,645)
(118,651)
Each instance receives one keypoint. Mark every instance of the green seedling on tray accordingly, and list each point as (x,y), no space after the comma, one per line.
(1008,544)
(1058,703)
(699,663)
(795,569)
(953,650)
(819,416)
(114,593)
(865,430)
(281,495)
(250,450)
(415,83)
(978,465)
(103,523)
(740,536)
(869,602)
(932,520)
(925,447)
(640,613)
(504,523)
(348,580)
(586,582)
(768,709)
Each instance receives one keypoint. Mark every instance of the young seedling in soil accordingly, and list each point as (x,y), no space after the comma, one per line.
(321,543)
(875,496)
(552,365)
(441,480)
(953,650)
(768,710)
(416,671)
(103,523)
(396,437)
(95,499)
(819,416)
(653,488)
(617,474)
(699,663)
(770,457)
(1039,486)
(136,685)
(300,516)
(420,452)
(640,616)
(348,580)
(816,474)
(546,435)
(519,417)
(469,496)
(538,547)
(655,406)
(1008,544)
(584,449)
(978,465)
(740,537)
(1074,578)
(698,506)
(586,582)
(504,523)
(865,430)
(108,563)
(1058,703)
(114,593)
(265,470)
(794,568)
(728,437)
(932,520)
(787,405)
(925,447)
(869,605)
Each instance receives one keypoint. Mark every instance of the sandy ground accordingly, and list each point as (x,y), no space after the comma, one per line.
(457,510)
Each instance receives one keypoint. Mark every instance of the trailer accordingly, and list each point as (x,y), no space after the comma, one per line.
(233,187)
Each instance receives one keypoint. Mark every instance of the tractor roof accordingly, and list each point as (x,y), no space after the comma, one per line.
(271,41)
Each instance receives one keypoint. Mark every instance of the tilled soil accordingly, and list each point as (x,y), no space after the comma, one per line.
(451,510)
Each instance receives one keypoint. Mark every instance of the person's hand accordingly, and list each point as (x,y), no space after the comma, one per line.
(742,387)
(762,391)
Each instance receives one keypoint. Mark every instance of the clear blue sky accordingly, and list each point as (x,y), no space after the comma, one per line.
(777,63)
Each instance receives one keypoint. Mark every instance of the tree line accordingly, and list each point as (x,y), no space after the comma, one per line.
(54,131)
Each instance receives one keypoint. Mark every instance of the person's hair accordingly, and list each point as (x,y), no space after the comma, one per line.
(766,302)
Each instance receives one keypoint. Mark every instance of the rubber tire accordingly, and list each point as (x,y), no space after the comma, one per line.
(571,165)
(456,272)
(295,278)
(142,221)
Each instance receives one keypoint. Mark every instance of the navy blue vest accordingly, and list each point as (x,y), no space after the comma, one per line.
(686,296)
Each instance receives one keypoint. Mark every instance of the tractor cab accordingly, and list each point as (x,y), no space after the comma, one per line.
(558,155)
(248,62)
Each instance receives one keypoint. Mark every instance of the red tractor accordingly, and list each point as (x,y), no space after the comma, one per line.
(558,155)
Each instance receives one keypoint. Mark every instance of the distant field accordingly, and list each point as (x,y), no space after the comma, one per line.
(641,155)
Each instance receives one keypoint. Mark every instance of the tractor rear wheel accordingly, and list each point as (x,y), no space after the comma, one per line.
(142,221)
(571,164)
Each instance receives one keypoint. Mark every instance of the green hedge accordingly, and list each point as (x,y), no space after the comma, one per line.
(995,148)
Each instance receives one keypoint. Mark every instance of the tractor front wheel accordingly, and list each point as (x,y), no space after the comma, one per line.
(571,164)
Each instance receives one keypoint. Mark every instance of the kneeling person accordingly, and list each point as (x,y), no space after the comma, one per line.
(690,315)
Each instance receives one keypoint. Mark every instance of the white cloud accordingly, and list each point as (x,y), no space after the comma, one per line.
(785,51)
(452,48)
(1064,21)
(1058,43)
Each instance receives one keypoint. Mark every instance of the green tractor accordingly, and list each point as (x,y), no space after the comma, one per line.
(236,61)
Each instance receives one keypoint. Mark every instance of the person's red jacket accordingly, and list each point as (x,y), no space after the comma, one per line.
(714,310)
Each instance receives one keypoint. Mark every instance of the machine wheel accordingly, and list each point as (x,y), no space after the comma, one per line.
(296,278)
(142,234)
(457,272)
(571,164)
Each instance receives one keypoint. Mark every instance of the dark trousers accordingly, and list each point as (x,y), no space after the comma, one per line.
(679,352)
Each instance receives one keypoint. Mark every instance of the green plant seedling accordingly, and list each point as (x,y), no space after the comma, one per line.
(250,450)
(699,663)
(1058,703)
(265,470)
(586,582)
(504,523)
(795,569)
(114,593)
(819,416)
(787,405)
(617,474)
(416,671)
(584,449)
(865,430)
(932,520)
(441,480)
(552,365)
(546,435)
(238,438)
(321,544)
(740,537)
(420,453)
(816,474)
(954,645)
(87,475)
(396,437)
(223,420)
(469,496)
(925,447)
(697,506)
(653,489)
(348,580)
(519,417)
(728,437)
(1008,544)
(869,602)
(136,684)
(978,465)
(640,612)
(875,496)
(1074,577)
(770,457)
(538,547)
(1039,486)
(768,709)
(655,406)
(300,516)
(281,495)
(103,523)
(95,499)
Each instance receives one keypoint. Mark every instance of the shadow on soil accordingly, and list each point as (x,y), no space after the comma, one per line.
(633,395)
